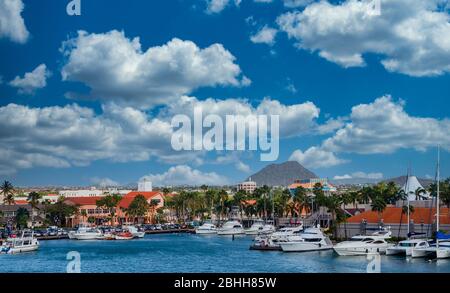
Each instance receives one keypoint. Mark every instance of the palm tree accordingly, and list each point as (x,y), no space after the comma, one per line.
(238,199)
(223,196)
(302,200)
(22,216)
(33,200)
(8,193)
(138,208)
(405,212)
(379,205)
(210,195)
(110,202)
(419,192)
(334,207)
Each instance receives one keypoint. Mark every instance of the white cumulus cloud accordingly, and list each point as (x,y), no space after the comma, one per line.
(32,81)
(412,36)
(185,175)
(315,157)
(117,69)
(12,25)
(266,35)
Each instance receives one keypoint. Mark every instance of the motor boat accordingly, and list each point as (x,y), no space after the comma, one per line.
(259,227)
(107,236)
(134,231)
(406,247)
(231,228)
(272,241)
(362,245)
(20,245)
(283,233)
(126,235)
(434,251)
(254,229)
(206,229)
(312,239)
(85,233)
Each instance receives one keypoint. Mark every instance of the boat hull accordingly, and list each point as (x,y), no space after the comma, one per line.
(303,247)
(86,236)
(205,232)
(354,251)
(442,253)
(407,251)
(231,232)
(418,253)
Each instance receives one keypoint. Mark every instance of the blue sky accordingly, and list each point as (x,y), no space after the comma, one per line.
(381,84)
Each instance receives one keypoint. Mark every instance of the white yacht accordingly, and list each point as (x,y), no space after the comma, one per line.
(255,228)
(283,233)
(134,231)
(206,229)
(85,233)
(231,228)
(362,245)
(406,247)
(272,241)
(312,239)
(259,228)
(19,245)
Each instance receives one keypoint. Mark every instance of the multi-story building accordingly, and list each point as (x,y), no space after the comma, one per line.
(248,186)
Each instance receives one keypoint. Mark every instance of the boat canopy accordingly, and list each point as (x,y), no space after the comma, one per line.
(442,236)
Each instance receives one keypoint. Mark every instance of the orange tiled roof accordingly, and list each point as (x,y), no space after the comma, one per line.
(392,215)
(304,185)
(21,202)
(128,199)
(250,202)
(83,201)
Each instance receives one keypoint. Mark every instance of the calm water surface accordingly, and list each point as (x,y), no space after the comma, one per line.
(191,253)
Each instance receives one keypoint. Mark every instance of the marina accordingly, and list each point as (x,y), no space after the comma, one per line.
(183,253)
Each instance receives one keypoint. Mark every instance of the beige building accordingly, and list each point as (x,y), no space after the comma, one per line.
(248,186)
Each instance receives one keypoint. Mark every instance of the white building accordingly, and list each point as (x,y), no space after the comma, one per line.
(145,186)
(93,192)
(413,185)
(248,186)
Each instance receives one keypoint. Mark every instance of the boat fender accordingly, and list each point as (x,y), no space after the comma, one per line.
(320,245)
(367,250)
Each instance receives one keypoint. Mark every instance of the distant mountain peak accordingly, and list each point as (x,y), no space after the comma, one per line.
(281,174)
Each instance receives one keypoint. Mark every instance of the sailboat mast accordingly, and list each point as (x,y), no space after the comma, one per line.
(438,175)
(407,199)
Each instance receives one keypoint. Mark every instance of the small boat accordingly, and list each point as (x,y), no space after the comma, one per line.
(107,236)
(312,239)
(265,243)
(134,231)
(231,228)
(85,233)
(406,247)
(206,229)
(19,245)
(124,236)
(433,251)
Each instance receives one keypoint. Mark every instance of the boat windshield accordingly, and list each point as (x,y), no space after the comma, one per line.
(406,244)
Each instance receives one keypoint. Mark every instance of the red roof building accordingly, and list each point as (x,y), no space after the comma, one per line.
(393,215)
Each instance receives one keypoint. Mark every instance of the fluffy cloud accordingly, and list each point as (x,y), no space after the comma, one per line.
(185,175)
(295,119)
(216,6)
(384,127)
(116,68)
(315,157)
(75,136)
(32,81)
(412,35)
(265,35)
(12,25)
(360,175)
(296,3)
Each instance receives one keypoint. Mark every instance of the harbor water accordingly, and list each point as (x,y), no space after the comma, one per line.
(183,253)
